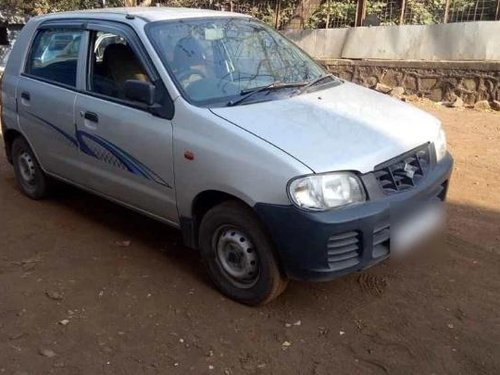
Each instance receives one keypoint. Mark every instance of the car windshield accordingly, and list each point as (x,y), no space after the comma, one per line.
(216,61)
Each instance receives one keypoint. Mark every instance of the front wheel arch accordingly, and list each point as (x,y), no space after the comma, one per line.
(202,203)
(242,221)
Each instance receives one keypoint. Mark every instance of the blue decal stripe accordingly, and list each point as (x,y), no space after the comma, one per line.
(143,169)
(60,131)
(133,165)
(111,148)
(83,146)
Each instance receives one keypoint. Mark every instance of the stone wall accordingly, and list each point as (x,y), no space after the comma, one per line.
(12,33)
(438,81)
(13,23)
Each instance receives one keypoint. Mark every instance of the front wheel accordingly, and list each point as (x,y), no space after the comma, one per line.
(239,255)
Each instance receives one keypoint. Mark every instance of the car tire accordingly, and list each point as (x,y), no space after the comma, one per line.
(239,255)
(31,179)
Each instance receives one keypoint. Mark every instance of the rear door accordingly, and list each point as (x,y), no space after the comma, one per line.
(46,95)
(126,150)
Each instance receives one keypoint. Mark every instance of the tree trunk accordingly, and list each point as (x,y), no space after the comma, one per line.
(303,11)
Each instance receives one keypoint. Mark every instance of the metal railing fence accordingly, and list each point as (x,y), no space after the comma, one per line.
(352,13)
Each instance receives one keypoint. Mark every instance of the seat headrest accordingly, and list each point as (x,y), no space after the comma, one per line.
(122,64)
(117,51)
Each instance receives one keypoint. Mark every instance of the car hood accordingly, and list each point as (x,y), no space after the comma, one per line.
(346,127)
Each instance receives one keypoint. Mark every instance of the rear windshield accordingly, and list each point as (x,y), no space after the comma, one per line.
(214,60)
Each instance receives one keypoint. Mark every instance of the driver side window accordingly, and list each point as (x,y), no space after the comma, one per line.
(113,62)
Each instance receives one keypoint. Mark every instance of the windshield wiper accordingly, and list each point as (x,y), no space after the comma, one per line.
(273,86)
(312,83)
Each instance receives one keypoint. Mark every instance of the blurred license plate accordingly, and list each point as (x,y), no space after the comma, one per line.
(417,227)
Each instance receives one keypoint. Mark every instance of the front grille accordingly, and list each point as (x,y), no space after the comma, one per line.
(405,171)
(381,240)
(343,250)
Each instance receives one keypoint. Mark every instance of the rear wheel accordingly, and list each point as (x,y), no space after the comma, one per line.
(239,255)
(30,177)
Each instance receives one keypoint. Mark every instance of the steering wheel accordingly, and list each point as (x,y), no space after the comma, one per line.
(185,74)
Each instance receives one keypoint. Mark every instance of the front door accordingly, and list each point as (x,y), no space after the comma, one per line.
(125,149)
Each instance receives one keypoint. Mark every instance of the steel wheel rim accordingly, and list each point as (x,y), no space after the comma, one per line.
(236,256)
(27,168)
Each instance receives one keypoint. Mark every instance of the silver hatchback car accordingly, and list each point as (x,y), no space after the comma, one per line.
(216,124)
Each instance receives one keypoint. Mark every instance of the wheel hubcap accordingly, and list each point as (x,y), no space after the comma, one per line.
(237,256)
(27,167)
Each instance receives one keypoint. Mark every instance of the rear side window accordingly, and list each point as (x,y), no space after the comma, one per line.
(54,55)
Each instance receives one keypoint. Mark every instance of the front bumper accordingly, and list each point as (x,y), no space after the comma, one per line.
(321,246)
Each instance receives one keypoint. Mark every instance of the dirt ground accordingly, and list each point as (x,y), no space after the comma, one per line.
(75,299)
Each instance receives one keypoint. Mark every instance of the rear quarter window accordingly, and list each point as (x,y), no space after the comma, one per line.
(54,56)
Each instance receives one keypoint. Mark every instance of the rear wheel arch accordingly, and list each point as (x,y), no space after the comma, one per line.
(8,137)
(30,177)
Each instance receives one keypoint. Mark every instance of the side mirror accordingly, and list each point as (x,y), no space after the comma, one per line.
(140,91)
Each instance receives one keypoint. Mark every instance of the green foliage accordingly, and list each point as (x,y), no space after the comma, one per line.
(424,12)
(37,7)
(265,10)
(330,13)
(338,13)
(427,12)
(333,13)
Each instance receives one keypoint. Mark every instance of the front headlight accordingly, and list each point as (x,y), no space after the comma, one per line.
(440,145)
(325,191)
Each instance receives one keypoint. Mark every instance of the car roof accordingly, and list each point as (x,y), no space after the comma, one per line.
(149,14)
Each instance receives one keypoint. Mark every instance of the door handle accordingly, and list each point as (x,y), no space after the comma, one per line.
(26,96)
(91,116)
